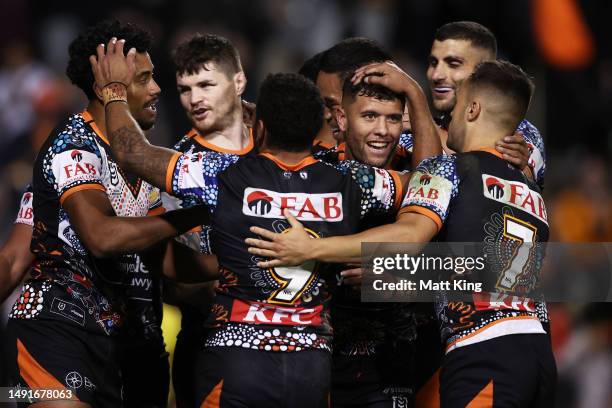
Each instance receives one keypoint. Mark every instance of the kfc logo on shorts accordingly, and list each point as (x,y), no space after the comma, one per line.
(261,313)
(305,207)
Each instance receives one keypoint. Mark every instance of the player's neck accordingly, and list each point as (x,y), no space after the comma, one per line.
(96,110)
(482,137)
(290,158)
(325,139)
(233,137)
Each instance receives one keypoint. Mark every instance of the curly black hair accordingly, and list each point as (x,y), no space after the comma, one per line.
(350,92)
(79,69)
(190,55)
(291,108)
(350,54)
(310,68)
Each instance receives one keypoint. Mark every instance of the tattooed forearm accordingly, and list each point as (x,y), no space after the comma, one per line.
(131,148)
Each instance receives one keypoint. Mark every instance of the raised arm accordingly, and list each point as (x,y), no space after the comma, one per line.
(426,139)
(113,72)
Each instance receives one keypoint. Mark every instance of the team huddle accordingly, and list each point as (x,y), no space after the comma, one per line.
(253,223)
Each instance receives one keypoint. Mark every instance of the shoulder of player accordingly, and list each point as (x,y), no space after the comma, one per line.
(73,133)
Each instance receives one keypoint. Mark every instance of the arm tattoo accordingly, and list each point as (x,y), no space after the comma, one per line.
(135,154)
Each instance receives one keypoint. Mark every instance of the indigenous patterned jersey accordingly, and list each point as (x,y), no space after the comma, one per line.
(277,309)
(320,147)
(535,142)
(194,143)
(67,283)
(26,213)
(478,197)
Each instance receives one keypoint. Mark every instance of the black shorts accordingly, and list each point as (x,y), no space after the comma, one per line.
(509,371)
(236,377)
(145,373)
(374,381)
(45,354)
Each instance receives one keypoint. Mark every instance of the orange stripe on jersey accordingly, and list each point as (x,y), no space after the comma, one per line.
(89,119)
(170,171)
(490,150)
(156,211)
(34,374)
(80,187)
(484,399)
(428,396)
(306,161)
(202,141)
(488,326)
(213,399)
(423,211)
(323,144)
(398,189)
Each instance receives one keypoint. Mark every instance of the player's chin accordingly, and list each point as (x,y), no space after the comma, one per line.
(444,104)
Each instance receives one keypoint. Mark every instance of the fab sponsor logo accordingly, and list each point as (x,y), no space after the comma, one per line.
(263,203)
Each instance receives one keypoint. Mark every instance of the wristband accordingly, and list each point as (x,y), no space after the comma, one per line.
(114,92)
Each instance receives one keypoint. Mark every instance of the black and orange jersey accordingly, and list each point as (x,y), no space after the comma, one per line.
(194,143)
(320,147)
(478,197)
(277,309)
(66,281)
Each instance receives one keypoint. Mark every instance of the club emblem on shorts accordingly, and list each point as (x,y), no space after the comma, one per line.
(259,202)
(425,179)
(74,379)
(495,187)
(76,156)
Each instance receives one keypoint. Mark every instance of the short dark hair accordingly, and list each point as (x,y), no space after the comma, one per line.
(291,108)
(508,80)
(352,53)
(191,55)
(79,69)
(351,91)
(479,35)
(310,68)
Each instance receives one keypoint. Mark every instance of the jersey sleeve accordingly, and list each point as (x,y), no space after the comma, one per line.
(73,163)
(380,189)
(405,144)
(432,187)
(156,205)
(537,158)
(192,177)
(26,213)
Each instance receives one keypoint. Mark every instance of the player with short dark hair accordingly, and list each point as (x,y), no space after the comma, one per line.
(89,296)
(495,355)
(210,82)
(275,321)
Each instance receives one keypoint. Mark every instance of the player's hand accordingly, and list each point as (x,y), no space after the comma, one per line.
(514,150)
(352,277)
(387,74)
(248,113)
(290,248)
(111,65)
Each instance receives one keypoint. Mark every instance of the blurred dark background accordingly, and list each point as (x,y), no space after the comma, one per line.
(566,45)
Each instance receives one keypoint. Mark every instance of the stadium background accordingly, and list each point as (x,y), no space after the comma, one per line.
(566,45)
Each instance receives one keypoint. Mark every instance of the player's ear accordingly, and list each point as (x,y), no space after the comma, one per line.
(473,111)
(341,118)
(240,82)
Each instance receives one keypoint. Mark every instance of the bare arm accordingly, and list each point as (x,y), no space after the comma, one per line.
(15,259)
(113,72)
(296,247)
(105,234)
